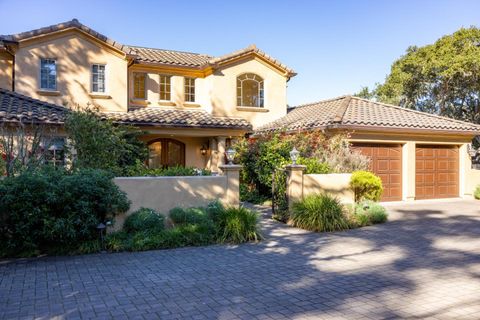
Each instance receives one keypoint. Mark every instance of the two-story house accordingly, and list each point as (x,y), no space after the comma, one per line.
(190,104)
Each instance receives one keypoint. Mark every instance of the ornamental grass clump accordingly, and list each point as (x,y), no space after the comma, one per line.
(236,225)
(319,212)
(368,212)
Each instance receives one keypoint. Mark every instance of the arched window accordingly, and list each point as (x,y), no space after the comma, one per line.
(250,90)
(166,153)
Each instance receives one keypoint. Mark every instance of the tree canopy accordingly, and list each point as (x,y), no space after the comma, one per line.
(442,78)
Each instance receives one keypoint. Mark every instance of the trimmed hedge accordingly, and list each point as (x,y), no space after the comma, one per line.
(366,186)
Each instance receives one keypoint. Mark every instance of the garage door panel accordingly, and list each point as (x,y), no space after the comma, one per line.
(436,172)
(386,162)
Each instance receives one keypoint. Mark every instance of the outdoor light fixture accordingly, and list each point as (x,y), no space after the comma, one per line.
(230,153)
(203,150)
(294,155)
(100,228)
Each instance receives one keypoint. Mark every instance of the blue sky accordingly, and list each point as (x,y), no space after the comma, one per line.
(336,47)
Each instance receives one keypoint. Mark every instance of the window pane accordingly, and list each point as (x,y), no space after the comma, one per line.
(48,74)
(139,85)
(155,155)
(189,89)
(165,87)
(98,78)
(250,90)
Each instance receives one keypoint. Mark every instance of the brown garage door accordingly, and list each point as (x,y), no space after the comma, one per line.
(386,162)
(436,172)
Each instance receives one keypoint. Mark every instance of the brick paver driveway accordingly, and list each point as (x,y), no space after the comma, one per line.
(424,263)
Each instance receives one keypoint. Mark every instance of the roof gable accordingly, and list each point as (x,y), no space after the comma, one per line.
(348,112)
(62,27)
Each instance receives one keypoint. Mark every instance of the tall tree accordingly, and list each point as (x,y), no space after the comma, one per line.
(442,78)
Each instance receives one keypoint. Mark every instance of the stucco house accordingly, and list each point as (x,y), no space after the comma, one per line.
(190,104)
(417,155)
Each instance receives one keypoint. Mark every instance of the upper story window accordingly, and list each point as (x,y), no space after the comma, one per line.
(165,87)
(139,86)
(190,89)
(48,74)
(250,90)
(98,78)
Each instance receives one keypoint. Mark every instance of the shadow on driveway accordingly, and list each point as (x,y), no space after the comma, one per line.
(424,262)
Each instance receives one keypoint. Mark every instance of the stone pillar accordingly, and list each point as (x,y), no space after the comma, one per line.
(221,148)
(232,193)
(294,183)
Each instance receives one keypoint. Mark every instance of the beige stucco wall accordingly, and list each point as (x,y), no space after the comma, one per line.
(223,95)
(468,177)
(6,63)
(335,184)
(216,93)
(165,193)
(75,53)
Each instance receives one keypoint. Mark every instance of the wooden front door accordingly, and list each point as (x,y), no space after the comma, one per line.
(436,172)
(385,162)
(166,153)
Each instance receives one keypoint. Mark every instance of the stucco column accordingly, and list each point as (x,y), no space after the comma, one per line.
(232,193)
(221,148)
(465,164)
(212,159)
(408,171)
(294,183)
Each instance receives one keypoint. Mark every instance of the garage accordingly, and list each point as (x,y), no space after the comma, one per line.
(386,162)
(436,172)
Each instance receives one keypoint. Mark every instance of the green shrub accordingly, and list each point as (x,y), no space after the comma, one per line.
(476,193)
(252,195)
(100,144)
(117,241)
(366,186)
(369,212)
(314,166)
(144,219)
(237,225)
(47,210)
(190,216)
(319,212)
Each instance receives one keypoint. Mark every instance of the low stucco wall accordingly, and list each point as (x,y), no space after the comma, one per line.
(335,184)
(165,193)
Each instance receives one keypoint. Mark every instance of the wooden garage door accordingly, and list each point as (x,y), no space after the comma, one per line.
(386,162)
(436,172)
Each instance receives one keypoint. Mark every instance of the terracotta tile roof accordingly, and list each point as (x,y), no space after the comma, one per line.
(249,50)
(150,55)
(350,112)
(177,119)
(74,23)
(15,108)
(161,56)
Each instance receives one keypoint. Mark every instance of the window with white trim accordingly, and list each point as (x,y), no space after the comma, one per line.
(139,86)
(190,89)
(98,78)
(165,87)
(48,74)
(250,90)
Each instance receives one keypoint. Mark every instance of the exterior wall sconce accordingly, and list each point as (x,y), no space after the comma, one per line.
(294,155)
(203,150)
(230,153)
